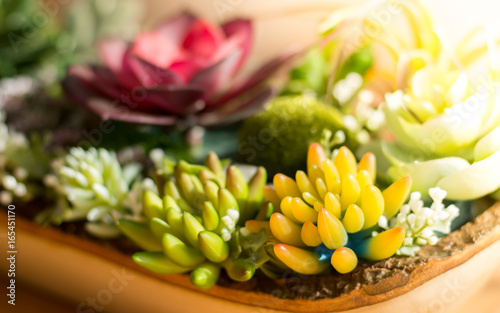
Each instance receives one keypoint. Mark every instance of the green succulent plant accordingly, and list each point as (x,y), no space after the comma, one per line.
(94,187)
(196,224)
(279,136)
(23,163)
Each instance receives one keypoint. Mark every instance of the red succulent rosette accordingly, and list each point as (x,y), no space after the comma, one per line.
(181,73)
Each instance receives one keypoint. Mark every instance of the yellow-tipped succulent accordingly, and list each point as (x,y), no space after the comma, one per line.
(327,215)
(195,225)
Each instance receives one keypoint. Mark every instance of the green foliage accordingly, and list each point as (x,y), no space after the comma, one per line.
(27,36)
(196,224)
(278,138)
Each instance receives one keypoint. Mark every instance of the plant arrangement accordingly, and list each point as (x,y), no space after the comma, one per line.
(371,150)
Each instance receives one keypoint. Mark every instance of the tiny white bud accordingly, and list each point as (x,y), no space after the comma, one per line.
(405,209)
(20,190)
(5,197)
(225,234)
(382,222)
(443,215)
(421,241)
(433,240)
(9,182)
(228,221)
(426,233)
(244,231)
(233,214)
(411,219)
(408,241)
(21,173)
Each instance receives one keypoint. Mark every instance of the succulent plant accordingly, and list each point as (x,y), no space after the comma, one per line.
(327,215)
(94,187)
(23,163)
(422,224)
(175,75)
(278,137)
(449,139)
(195,225)
(368,61)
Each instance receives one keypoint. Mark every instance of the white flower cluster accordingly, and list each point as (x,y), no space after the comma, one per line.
(96,188)
(230,221)
(422,223)
(346,88)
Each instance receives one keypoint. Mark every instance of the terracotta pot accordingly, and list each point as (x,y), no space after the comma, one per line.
(79,270)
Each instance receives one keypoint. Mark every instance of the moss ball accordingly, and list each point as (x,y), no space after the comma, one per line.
(278,137)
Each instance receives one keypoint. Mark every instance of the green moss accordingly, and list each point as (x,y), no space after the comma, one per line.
(278,137)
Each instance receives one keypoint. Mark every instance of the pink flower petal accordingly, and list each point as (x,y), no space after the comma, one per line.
(155,48)
(150,75)
(112,53)
(213,78)
(187,68)
(176,29)
(242,32)
(203,39)
(98,79)
(110,109)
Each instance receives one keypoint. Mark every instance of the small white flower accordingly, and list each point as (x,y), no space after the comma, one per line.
(228,221)
(422,223)
(233,214)
(9,182)
(225,234)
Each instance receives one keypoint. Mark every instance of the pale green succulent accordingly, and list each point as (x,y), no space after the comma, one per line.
(94,187)
(196,224)
(23,162)
(446,134)
(423,224)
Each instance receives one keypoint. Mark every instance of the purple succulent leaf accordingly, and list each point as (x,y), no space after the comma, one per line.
(241,31)
(108,110)
(235,111)
(177,100)
(258,77)
(214,77)
(97,78)
(114,54)
(150,75)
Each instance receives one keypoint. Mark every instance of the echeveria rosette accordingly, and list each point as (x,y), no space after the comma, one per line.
(180,73)
(446,133)
(325,218)
(196,224)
